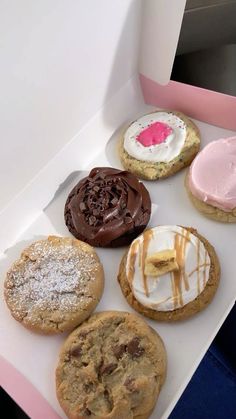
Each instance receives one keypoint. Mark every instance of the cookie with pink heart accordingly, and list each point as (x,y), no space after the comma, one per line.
(159,144)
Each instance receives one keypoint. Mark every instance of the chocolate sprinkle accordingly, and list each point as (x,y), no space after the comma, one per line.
(92,220)
(82,206)
(128,220)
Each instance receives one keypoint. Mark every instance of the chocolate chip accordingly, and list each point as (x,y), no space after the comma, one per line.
(88,387)
(106,394)
(92,220)
(127,212)
(107,369)
(119,350)
(129,384)
(82,206)
(128,220)
(114,201)
(95,212)
(134,349)
(87,412)
(100,175)
(76,352)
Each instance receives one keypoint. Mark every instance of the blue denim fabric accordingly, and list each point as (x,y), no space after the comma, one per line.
(211,394)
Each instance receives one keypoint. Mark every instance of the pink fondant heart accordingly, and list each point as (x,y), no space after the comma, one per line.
(156,133)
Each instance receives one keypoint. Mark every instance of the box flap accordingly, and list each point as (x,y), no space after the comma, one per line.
(59,66)
(161,26)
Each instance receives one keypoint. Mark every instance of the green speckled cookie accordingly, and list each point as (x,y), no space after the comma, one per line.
(159,144)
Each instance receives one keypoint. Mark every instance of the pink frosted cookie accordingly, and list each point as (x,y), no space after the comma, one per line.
(211,181)
(159,144)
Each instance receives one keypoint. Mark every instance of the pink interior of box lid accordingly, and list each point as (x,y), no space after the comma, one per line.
(24,393)
(205,105)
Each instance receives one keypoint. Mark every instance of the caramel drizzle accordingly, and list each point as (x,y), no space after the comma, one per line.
(140,258)
(204,274)
(147,236)
(177,277)
(201,266)
(132,260)
(154,306)
(180,244)
(198,266)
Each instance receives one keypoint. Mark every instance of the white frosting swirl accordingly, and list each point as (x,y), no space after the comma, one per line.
(170,291)
(164,152)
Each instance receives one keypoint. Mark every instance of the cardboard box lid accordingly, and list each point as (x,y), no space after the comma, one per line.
(60,64)
(161,24)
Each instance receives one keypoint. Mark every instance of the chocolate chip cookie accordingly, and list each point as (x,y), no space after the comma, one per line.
(55,285)
(112,366)
(108,208)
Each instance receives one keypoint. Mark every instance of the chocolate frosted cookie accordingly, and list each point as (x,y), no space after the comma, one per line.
(54,285)
(113,366)
(108,208)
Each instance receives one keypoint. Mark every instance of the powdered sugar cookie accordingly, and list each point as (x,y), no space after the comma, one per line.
(54,285)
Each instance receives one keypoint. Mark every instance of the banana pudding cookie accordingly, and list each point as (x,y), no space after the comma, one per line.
(211,181)
(108,208)
(112,366)
(169,273)
(159,144)
(55,285)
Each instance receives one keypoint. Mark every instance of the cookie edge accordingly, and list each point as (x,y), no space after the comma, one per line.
(208,210)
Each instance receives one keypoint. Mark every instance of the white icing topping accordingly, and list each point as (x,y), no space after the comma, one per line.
(170,291)
(163,152)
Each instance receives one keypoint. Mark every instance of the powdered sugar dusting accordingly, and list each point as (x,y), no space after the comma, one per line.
(50,277)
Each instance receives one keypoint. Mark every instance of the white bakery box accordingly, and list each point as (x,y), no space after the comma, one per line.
(72,75)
